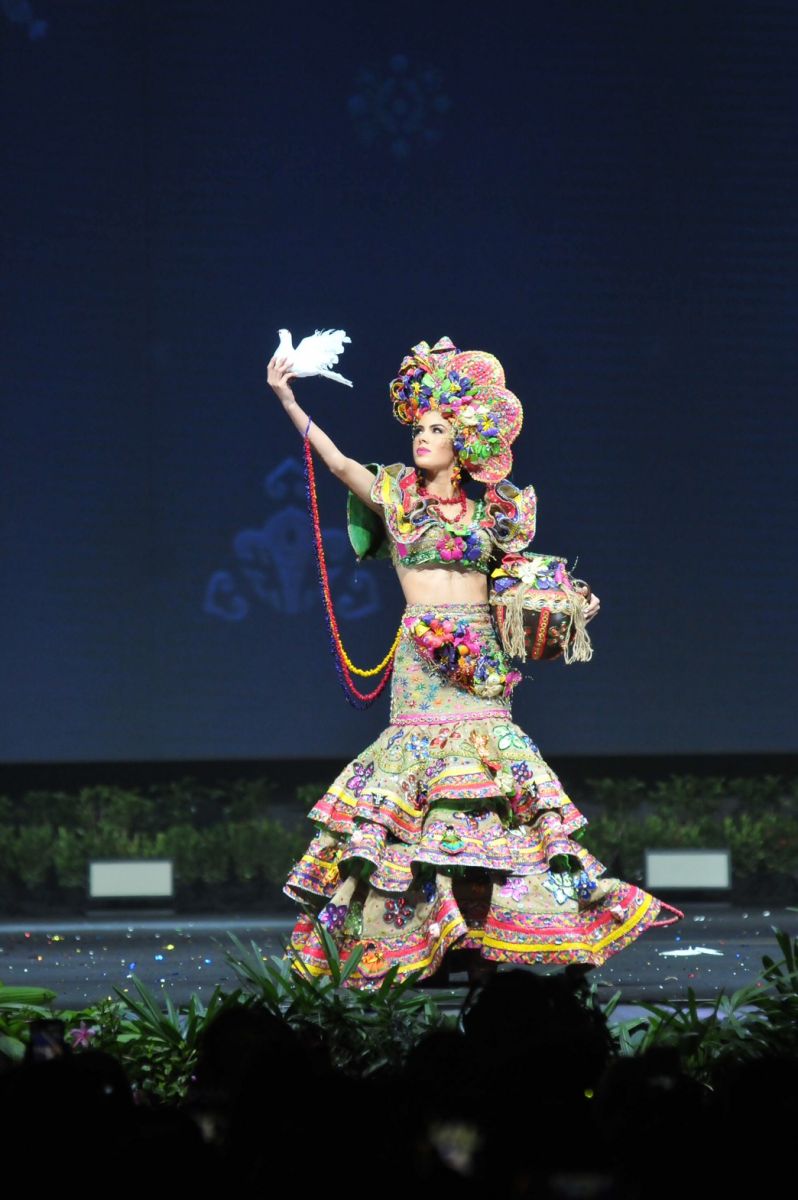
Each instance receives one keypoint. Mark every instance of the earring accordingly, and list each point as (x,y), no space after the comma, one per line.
(456,473)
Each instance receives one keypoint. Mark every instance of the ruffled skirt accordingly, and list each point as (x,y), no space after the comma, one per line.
(451,832)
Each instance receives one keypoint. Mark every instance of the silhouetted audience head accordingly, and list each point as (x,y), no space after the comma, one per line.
(533,1100)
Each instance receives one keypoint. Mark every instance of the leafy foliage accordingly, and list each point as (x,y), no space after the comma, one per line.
(365,1031)
(18,1007)
(755,817)
(159,1047)
(758,1019)
(237,833)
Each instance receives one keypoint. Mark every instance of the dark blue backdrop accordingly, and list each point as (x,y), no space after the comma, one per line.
(602,194)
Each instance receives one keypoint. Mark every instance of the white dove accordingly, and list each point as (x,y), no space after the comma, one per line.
(315,354)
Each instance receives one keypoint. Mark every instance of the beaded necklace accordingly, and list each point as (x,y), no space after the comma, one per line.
(452,526)
(343,663)
(433,501)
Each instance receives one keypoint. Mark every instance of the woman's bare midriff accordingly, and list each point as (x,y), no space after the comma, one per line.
(452,584)
(443,585)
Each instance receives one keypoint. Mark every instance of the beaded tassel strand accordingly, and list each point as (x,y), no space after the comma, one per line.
(343,664)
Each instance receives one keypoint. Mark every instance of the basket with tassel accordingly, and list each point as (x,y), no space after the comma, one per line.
(540,608)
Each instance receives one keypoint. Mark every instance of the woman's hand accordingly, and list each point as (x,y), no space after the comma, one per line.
(593,605)
(279,374)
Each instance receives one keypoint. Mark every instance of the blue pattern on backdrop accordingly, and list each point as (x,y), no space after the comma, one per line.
(20,12)
(607,205)
(275,563)
(404,107)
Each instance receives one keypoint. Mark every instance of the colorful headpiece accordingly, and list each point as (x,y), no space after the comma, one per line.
(467,388)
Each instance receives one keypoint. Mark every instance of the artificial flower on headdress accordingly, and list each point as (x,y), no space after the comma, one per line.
(467,388)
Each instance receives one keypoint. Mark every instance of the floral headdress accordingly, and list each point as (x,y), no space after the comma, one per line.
(467,388)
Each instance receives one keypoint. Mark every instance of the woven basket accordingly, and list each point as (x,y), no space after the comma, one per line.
(539,612)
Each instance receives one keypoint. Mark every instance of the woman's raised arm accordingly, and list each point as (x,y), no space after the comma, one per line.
(351,473)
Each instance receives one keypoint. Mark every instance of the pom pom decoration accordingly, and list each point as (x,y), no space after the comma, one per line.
(467,388)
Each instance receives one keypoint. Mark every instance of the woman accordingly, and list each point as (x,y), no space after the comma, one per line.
(450,832)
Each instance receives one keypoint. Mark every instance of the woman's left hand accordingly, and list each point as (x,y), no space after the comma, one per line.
(593,606)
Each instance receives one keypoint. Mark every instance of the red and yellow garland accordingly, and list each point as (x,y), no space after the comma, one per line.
(343,664)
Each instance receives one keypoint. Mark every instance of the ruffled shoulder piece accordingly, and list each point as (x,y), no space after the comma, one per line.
(406,512)
(364,526)
(511,515)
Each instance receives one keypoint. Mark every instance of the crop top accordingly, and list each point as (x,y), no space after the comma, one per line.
(503,522)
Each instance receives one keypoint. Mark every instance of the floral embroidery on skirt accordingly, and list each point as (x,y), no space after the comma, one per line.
(451,832)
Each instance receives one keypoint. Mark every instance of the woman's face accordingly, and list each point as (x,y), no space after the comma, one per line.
(432,443)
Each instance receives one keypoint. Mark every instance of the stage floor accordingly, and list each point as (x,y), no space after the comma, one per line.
(83,958)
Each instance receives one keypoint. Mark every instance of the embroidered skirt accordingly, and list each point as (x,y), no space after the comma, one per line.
(451,832)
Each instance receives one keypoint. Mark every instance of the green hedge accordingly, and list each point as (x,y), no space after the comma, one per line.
(237,834)
(217,836)
(756,818)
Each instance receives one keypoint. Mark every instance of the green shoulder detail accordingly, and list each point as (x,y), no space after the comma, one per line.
(365,526)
